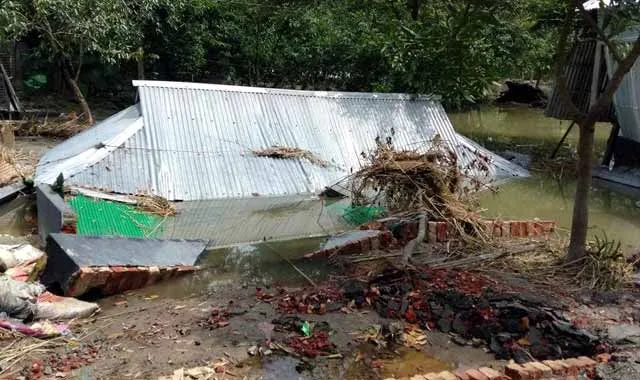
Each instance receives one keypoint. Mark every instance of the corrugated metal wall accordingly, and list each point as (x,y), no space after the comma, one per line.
(579,74)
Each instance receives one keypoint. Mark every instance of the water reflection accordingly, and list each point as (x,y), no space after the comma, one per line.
(613,210)
(262,264)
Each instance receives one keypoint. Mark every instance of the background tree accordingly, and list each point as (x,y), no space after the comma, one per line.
(620,15)
(67,31)
(453,48)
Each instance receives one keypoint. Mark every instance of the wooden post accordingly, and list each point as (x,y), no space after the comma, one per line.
(615,131)
(555,151)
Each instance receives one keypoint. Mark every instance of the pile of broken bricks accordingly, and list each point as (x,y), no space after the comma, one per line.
(567,369)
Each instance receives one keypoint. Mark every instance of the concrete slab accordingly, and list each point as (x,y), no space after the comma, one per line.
(110,265)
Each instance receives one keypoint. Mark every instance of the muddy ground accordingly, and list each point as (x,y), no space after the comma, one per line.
(143,337)
(146,334)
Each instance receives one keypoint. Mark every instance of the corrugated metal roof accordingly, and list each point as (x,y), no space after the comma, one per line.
(196,140)
(579,74)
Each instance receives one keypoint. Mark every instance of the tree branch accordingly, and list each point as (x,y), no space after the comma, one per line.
(602,36)
(560,64)
(80,61)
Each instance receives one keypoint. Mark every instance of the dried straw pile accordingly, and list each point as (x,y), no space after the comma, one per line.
(278,151)
(156,205)
(8,169)
(409,182)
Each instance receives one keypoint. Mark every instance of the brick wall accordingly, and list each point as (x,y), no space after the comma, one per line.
(397,231)
(119,279)
(568,369)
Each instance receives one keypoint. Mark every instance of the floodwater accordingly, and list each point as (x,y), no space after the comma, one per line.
(545,196)
(260,264)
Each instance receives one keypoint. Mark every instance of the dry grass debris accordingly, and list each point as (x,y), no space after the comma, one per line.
(156,205)
(428,182)
(8,168)
(62,127)
(604,268)
(283,152)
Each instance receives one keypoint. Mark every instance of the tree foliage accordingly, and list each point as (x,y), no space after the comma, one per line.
(454,48)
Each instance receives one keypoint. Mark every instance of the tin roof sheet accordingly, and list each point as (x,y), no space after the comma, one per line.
(196,140)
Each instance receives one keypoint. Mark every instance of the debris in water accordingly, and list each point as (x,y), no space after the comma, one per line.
(283,152)
(412,181)
(155,204)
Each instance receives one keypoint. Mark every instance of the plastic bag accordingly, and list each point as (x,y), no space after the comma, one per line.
(18,299)
(54,307)
(14,255)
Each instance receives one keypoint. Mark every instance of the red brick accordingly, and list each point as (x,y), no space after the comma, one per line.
(441,232)
(517,372)
(514,229)
(474,374)
(586,362)
(544,370)
(88,278)
(500,229)
(556,368)
(570,367)
(432,236)
(446,375)
(533,371)
(519,228)
(461,375)
(492,374)
(115,277)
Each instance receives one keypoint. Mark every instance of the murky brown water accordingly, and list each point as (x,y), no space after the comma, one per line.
(412,362)
(542,196)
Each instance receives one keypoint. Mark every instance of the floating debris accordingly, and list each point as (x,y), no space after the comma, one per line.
(283,152)
(156,205)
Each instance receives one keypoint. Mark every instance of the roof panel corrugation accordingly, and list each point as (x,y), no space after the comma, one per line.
(208,133)
(197,139)
(578,72)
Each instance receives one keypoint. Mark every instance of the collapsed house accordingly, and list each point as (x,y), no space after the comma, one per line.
(195,145)
(589,67)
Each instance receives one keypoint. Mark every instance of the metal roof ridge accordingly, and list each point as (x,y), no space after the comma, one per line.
(282,91)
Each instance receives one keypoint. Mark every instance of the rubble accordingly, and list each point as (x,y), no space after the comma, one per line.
(472,306)
(320,300)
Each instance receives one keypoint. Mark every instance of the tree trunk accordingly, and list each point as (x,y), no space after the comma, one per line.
(580,221)
(86,111)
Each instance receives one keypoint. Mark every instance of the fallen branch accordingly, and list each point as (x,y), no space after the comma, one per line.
(292,265)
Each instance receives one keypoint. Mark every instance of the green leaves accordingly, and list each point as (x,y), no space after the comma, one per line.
(454,48)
